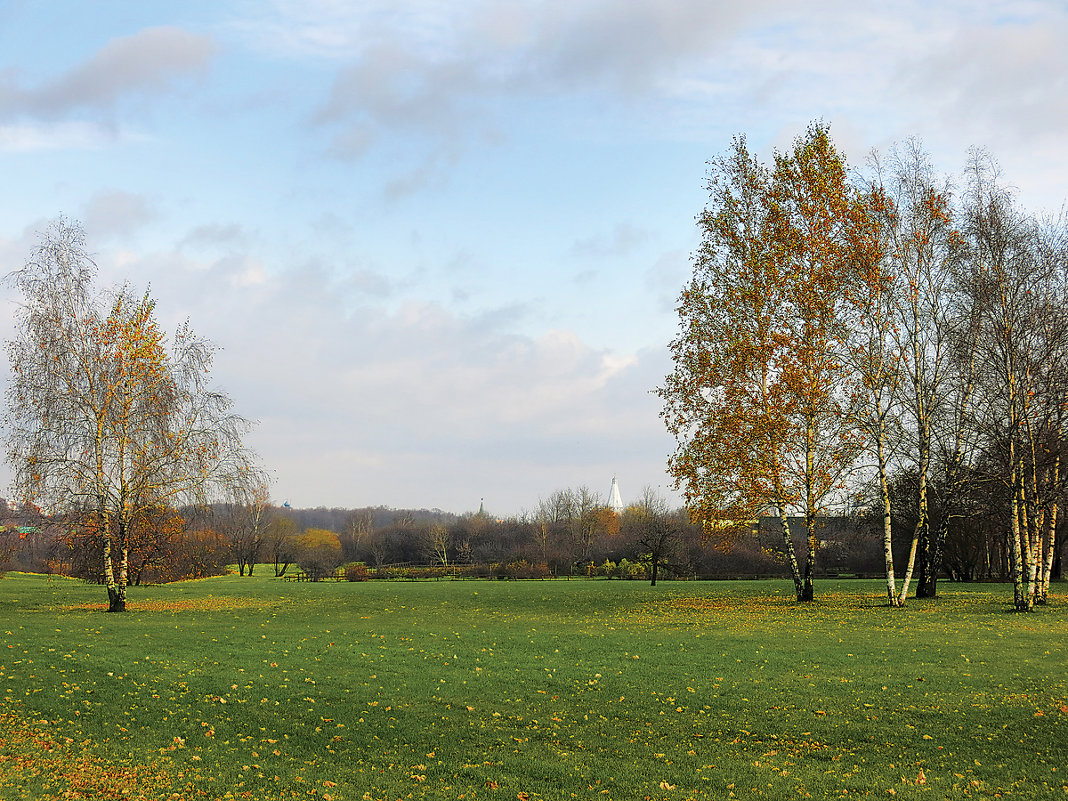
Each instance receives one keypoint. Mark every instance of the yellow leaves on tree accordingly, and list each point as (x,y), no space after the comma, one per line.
(318,552)
(759,400)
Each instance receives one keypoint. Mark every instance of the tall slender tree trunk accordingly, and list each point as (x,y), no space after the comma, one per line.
(907,580)
(807,590)
(921,533)
(1021,598)
(791,554)
(109,566)
(1033,517)
(927,583)
(888,530)
(1033,551)
(117,585)
(1048,546)
(1025,532)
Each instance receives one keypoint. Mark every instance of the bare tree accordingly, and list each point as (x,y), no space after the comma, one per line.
(103,414)
(653,528)
(920,250)
(583,520)
(244,518)
(280,541)
(359,525)
(1009,281)
(436,543)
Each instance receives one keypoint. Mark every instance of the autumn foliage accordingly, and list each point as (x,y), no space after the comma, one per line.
(760,400)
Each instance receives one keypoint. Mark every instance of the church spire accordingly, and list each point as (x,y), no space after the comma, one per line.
(615,503)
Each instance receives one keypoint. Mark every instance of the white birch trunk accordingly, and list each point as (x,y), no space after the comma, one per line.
(791,555)
(884,487)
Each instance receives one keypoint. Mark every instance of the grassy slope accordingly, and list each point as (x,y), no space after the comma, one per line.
(587,689)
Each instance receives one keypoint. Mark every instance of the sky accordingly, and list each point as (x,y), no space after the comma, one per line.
(438,243)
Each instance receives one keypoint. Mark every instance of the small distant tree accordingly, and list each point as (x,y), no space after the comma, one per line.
(280,543)
(377,547)
(608,521)
(584,520)
(155,540)
(359,525)
(198,554)
(244,519)
(654,529)
(436,543)
(319,553)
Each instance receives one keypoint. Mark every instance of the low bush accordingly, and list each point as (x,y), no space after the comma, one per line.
(522,569)
(356,571)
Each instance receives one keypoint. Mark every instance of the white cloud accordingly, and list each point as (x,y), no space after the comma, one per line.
(28,137)
(433,69)
(361,403)
(623,240)
(117,213)
(1009,77)
(146,62)
(213,235)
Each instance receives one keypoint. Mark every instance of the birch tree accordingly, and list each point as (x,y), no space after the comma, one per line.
(760,400)
(724,401)
(922,245)
(875,357)
(106,418)
(1044,404)
(1005,281)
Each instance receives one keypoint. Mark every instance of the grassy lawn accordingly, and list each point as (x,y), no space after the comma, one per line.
(263,689)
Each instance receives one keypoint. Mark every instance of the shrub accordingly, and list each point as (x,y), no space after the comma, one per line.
(631,570)
(356,571)
(522,569)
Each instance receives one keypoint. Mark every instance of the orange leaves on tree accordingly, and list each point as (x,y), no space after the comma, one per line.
(759,400)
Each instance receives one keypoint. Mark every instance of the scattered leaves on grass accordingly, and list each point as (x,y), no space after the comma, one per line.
(211,603)
(69,770)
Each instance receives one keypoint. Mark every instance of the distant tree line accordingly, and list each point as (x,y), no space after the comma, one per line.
(571,533)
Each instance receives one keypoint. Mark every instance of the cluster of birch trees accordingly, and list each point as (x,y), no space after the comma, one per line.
(843,331)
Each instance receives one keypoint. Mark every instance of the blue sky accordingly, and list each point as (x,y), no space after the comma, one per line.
(439,243)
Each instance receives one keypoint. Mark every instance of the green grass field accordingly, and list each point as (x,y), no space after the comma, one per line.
(263,689)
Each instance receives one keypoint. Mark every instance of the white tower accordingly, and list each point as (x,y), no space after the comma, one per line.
(615,503)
